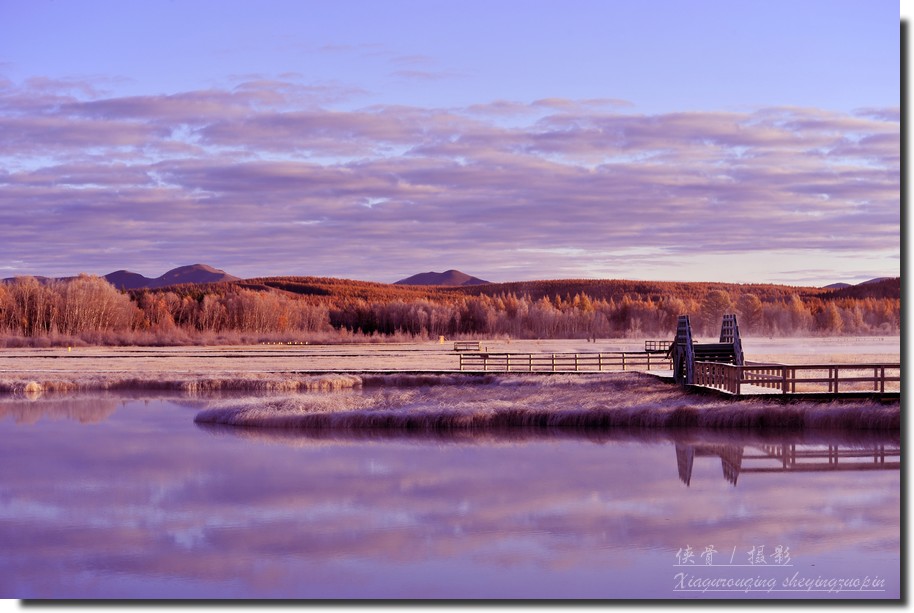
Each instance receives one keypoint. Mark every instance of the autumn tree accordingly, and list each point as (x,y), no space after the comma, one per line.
(749,310)
(715,305)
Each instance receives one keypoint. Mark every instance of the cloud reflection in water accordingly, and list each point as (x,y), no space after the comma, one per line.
(145,504)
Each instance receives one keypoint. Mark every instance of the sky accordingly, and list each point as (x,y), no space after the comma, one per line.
(704,140)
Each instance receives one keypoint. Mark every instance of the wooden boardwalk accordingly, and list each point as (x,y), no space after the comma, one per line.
(800,380)
(749,380)
(562,362)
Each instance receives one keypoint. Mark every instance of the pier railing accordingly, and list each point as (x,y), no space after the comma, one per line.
(799,378)
(657,346)
(563,362)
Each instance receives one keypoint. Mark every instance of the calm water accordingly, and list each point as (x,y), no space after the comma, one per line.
(113,497)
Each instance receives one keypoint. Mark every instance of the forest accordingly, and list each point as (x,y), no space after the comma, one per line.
(89,310)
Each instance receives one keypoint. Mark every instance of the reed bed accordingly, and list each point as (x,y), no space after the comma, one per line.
(542,403)
(191,384)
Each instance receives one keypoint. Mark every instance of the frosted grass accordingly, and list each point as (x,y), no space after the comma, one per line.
(192,384)
(540,403)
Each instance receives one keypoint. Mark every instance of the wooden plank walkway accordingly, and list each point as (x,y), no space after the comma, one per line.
(800,380)
(562,362)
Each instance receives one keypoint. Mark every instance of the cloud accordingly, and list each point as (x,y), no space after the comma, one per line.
(229,171)
(423,75)
(882,114)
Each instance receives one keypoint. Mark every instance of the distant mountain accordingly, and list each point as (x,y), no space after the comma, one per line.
(124,279)
(450,277)
(195,273)
(40,279)
(870,282)
(885,287)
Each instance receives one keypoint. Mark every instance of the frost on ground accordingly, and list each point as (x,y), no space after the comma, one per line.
(290,368)
(387,388)
(619,400)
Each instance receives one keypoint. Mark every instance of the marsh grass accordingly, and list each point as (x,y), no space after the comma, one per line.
(191,384)
(572,402)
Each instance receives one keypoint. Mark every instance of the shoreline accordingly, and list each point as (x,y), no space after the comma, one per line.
(290,368)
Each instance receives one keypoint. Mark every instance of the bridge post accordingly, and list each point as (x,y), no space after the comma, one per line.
(683,353)
(729,333)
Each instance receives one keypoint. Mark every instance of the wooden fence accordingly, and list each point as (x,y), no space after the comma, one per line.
(799,378)
(563,362)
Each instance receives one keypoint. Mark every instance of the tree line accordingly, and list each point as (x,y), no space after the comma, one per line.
(90,309)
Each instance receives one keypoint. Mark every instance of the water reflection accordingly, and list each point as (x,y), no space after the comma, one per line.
(90,408)
(85,409)
(145,504)
(739,452)
(787,457)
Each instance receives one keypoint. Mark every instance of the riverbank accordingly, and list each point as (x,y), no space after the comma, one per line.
(563,401)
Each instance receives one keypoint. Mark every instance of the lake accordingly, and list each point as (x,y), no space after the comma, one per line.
(124,496)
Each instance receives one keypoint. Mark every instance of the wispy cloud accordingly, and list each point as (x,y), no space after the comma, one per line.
(424,75)
(227,172)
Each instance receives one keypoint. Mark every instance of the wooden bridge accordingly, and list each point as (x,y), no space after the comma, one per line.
(722,367)
(686,353)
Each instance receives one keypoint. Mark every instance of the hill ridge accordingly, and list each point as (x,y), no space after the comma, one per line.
(192,273)
(452,277)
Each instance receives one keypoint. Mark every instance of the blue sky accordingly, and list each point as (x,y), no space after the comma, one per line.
(662,55)
(706,140)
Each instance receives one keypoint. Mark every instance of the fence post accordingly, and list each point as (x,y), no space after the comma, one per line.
(553,362)
(784,384)
(623,360)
